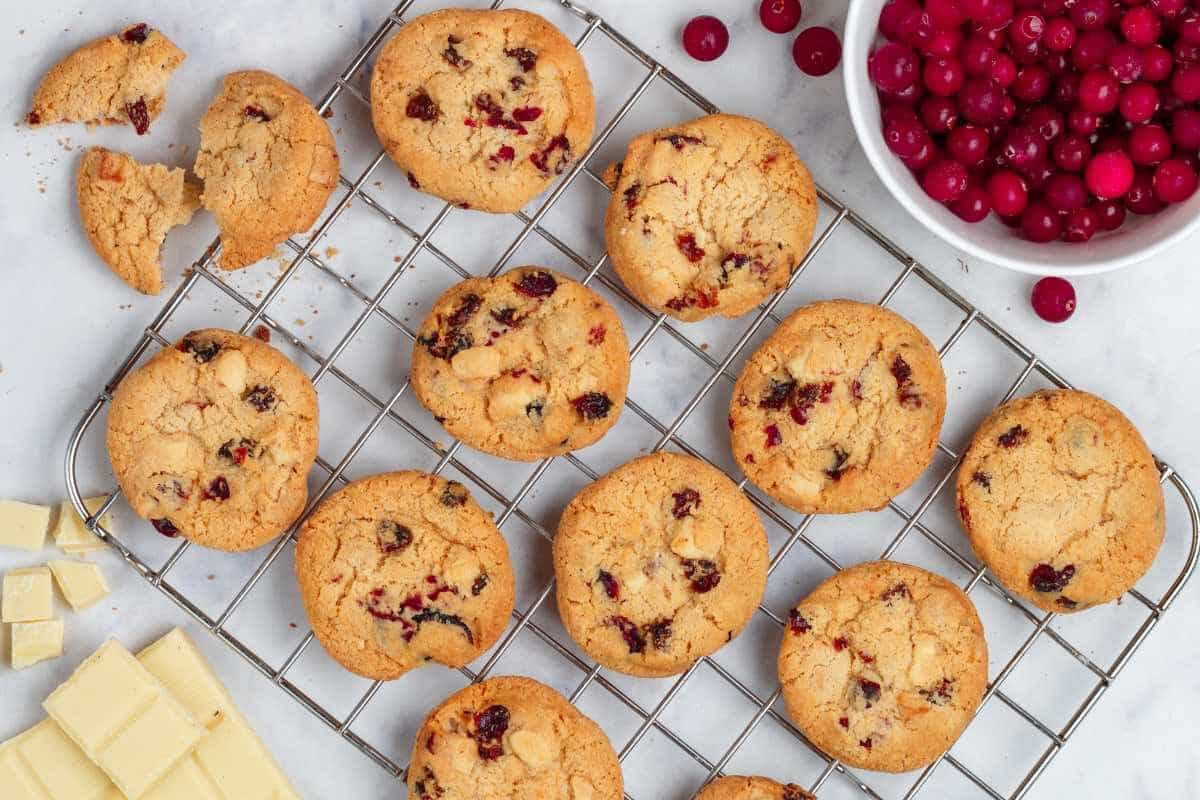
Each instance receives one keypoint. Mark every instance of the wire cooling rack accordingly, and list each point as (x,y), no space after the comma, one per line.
(1028,715)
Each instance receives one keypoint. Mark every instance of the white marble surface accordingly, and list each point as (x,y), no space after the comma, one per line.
(65,323)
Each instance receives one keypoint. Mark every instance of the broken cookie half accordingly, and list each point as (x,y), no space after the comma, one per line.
(117,79)
(127,209)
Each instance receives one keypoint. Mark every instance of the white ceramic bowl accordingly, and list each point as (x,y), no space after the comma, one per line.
(1138,239)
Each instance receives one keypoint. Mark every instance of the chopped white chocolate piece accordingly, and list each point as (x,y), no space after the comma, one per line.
(27,595)
(23,525)
(43,764)
(36,641)
(81,582)
(72,535)
(124,719)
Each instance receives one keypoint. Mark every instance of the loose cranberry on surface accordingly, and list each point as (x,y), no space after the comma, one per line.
(780,16)
(817,51)
(705,38)
(1053,299)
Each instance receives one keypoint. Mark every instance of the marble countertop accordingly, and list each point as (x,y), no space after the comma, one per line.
(66,323)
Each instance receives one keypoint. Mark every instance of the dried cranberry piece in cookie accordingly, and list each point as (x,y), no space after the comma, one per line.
(421,106)
(136,34)
(441,617)
(686,502)
(703,574)
(797,624)
(165,527)
(983,479)
(840,457)
(940,694)
(870,690)
(777,394)
(1044,578)
(536,284)
(592,405)
(660,633)
(774,437)
(611,587)
(502,156)
(900,590)
(261,397)
(217,489)
(455,494)
(526,113)
(902,372)
(201,351)
(490,727)
(596,335)
(393,537)
(630,633)
(1013,436)
(679,140)
(794,792)
(524,56)
(139,117)
(237,452)
(254,112)
(451,54)
(541,158)
(479,585)
(686,242)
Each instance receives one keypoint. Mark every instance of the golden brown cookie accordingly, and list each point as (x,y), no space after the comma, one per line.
(709,217)
(658,563)
(212,440)
(399,569)
(482,108)
(112,80)
(1061,500)
(511,738)
(268,163)
(741,787)
(525,365)
(127,209)
(839,410)
(883,665)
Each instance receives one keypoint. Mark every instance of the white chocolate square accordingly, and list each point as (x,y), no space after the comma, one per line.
(36,641)
(149,746)
(43,763)
(81,582)
(23,525)
(27,596)
(72,535)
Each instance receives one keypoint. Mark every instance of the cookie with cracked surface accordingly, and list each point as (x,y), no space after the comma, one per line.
(212,440)
(1061,499)
(268,162)
(742,787)
(116,79)
(839,410)
(658,563)
(524,365)
(127,209)
(512,738)
(709,217)
(400,569)
(482,108)
(883,665)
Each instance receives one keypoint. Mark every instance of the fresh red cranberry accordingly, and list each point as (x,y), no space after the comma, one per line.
(1008,193)
(945,181)
(1186,83)
(939,114)
(1099,91)
(1126,62)
(1092,49)
(1112,215)
(977,55)
(1065,191)
(1059,35)
(973,205)
(1149,145)
(1174,181)
(905,137)
(1141,198)
(893,67)
(1091,14)
(1082,121)
(1003,71)
(944,42)
(817,51)
(968,145)
(1023,149)
(779,16)
(1157,63)
(1028,27)
(943,75)
(981,101)
(1109,174)
(1053,300)
(1046,121)
(1071,152)
(1185,129)
(924,157)
(897,19)
(1080,225)
(1141,26)
(705,38)
(1139,102)
(1040,223)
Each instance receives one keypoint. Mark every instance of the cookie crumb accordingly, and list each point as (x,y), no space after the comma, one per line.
(262,333)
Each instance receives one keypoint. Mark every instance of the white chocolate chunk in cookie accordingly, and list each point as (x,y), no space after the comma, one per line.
(476,363)
(532,748)
(230,368)
(695,538)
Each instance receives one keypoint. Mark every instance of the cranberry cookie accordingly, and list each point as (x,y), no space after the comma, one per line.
(1061,500)
(525,365)
(399,569)
(740,787)
(658,563)
(512,738)
(268,163)
(883,665)
(212,440)
(709,217)
(839,410)
(482,108)
(127,209)
(113,80)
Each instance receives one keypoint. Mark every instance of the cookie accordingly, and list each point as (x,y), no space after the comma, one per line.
(659,563)
(839,410)
(127,209)
(883,665)
(740,787)
(112,80)
(525,365)
(1061,500)
(482,108)
(268,163)
(212,440)
(400,569)
(512,738)
(709,217)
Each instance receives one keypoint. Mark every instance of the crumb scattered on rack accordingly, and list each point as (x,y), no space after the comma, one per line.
(300,321)
(291,625)
(263,333)
(397,259)
(331,252)
(328,113)
(704,346)
(377,184)
(211,577)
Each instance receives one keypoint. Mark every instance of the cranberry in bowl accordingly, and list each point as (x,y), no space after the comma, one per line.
(1027,136)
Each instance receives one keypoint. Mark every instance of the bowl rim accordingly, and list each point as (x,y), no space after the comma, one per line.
(855,80)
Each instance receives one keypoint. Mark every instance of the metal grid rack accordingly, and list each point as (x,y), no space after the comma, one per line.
(1051,736)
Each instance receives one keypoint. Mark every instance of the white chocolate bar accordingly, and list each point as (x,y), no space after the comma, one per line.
(43,764)
(27,596)
(81,582)
(23,525)
(36,641)
(72,535)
